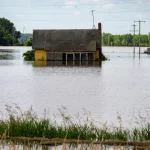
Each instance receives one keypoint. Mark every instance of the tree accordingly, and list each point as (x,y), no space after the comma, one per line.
(108,39)
(28,42)
(117,40)
(8,34)
(149,39)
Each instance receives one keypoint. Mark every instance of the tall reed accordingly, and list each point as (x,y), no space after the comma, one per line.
(27,124)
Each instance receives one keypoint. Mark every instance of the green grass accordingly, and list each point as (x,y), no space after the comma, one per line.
(29,125)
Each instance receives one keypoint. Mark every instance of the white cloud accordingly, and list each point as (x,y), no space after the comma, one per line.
(70,4)
(139,1)
(109,5)
(76,13)
(88,1)
(94,3)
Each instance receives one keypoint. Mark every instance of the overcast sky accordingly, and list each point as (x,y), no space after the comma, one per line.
(116,16)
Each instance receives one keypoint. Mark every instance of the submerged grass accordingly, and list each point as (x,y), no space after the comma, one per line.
(29,125)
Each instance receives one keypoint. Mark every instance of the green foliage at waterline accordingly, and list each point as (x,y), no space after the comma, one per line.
(27,124)
(29,55)
(104,58)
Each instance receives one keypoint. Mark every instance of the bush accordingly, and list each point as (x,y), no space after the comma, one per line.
(104,58)
(29,55)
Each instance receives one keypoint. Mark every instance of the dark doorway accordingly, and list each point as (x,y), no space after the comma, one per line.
(90,56)
(70,57)
(77,57)
(83,57)
(64,56)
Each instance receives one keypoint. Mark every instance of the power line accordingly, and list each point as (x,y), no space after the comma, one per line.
(91,4)
(73,5)
(140,34)
(102,21)
(68,13)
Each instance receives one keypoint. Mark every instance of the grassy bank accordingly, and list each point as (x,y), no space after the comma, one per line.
(27,124)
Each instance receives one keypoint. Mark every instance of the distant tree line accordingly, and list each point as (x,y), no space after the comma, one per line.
(9,36)
(125,40)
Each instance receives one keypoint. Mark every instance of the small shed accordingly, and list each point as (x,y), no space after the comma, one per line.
(65,45)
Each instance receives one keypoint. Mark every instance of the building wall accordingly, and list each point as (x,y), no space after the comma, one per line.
(54,56)
(97,55)
(40,55)
(40,63)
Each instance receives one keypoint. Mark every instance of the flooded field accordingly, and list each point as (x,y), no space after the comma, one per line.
(119,87)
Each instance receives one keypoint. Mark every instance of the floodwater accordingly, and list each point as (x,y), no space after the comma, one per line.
(120,86)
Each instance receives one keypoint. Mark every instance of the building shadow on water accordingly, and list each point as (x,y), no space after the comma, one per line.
(67,63)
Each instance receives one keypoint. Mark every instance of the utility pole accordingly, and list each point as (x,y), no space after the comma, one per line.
(140,34)
(23,35)
(93,19)
(133,36)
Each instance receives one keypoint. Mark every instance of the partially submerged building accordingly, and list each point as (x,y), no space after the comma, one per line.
(66,45)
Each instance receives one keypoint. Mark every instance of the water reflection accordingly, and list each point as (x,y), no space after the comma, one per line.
(67,63)
(5,56)
(9,54)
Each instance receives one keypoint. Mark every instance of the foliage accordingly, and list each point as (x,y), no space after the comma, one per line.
(18,44)
(8,34)
(29,55)
(27,124)
(104,58)
(24,37)
(125,40)
(28,42)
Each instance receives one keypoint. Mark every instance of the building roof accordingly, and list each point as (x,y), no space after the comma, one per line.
(67,40)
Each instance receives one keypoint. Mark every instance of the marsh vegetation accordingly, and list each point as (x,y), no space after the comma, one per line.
(28,124)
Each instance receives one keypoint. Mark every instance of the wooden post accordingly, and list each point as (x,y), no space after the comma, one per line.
(86,56)
(73,56)
(80,56)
